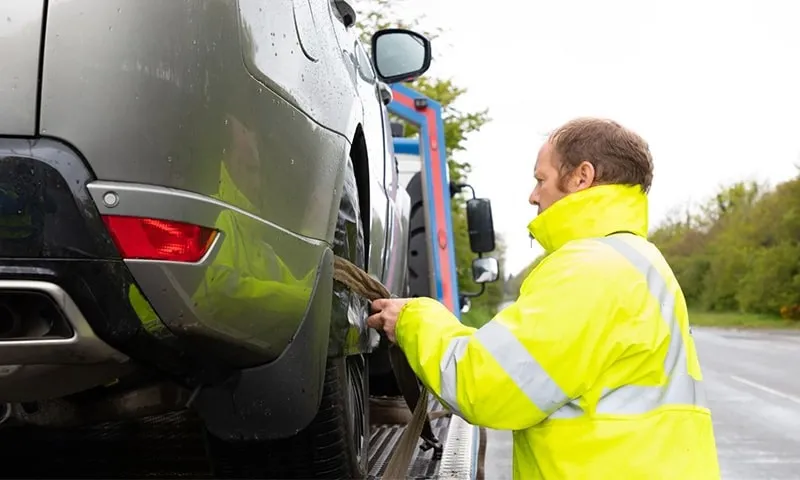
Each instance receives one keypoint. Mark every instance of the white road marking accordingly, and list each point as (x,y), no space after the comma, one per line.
(763,388)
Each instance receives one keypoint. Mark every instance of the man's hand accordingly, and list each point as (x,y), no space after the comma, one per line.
(385,317)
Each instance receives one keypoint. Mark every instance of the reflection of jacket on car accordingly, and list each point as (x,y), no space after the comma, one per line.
(247,271)
(246,275)
(593,367)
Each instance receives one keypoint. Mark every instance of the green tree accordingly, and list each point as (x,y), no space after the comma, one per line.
(739,251)
(772,279)
(374,15)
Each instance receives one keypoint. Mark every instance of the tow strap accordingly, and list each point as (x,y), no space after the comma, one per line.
(416,395)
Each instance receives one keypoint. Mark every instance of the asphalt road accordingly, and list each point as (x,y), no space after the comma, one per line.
(497,462)
(754,393)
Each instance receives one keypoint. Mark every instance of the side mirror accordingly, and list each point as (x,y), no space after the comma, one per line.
(480,225)
(485,270)
(400,55)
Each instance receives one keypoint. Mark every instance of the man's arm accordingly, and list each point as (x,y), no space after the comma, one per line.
(533,357)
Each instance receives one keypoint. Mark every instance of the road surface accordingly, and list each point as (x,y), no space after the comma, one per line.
(753,388)
(754,394)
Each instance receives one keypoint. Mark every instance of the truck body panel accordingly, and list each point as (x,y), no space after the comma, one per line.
(436,193)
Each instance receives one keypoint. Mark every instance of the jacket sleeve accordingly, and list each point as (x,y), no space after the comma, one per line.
(533,357)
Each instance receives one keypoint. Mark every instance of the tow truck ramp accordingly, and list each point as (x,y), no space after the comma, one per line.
(459,457)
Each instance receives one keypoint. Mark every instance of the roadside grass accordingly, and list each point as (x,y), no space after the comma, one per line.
(739,320)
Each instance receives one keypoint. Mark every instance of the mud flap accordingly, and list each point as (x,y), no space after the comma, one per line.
(281,398)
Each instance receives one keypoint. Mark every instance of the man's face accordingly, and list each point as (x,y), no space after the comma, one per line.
(550,187)
(546,175)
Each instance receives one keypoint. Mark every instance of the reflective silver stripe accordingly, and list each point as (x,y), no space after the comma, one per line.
(681,388)
(570,410)
(448,366)
(660,291)
(513,358)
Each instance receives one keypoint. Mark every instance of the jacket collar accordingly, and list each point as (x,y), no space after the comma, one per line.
(595,212)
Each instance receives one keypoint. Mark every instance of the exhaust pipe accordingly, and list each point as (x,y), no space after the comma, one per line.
(10,322)
(24,315)
(41,324)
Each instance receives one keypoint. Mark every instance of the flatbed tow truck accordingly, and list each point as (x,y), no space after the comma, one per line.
(172,445)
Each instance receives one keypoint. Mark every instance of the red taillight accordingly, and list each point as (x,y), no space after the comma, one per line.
(153,239)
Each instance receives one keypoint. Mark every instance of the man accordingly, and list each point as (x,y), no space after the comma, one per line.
(593,367)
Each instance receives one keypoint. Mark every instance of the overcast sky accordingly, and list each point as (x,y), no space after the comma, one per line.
(712,85)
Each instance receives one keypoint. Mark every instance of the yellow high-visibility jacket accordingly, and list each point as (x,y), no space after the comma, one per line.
(593,367)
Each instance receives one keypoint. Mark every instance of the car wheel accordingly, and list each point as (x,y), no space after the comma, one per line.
(336,443)
(356,400)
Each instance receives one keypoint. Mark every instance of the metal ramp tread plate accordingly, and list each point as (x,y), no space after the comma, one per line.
(459,457)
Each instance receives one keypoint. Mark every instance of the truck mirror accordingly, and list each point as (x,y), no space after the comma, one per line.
(485,270)
(399,54)
(480,225)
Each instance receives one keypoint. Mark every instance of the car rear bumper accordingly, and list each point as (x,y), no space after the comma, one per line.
(250,320)
(244,300)
(53,243)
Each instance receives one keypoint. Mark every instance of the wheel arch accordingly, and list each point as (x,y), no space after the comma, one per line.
(360,159)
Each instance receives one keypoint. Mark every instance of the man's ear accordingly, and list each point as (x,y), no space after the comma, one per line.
(583,176)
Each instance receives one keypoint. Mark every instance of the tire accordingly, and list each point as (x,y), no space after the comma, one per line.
(335,445)
(419,282)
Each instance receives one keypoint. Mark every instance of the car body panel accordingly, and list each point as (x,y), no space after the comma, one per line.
(291,47)
(210,120)
(373,110)
(20,37)
(399,216)
(156,92)
(396,258)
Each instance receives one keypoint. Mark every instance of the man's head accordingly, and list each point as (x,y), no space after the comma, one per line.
(586,152)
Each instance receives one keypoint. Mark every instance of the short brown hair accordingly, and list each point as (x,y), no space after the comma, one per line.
(619,156)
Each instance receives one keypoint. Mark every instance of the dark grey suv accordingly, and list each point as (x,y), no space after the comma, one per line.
(175,180)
